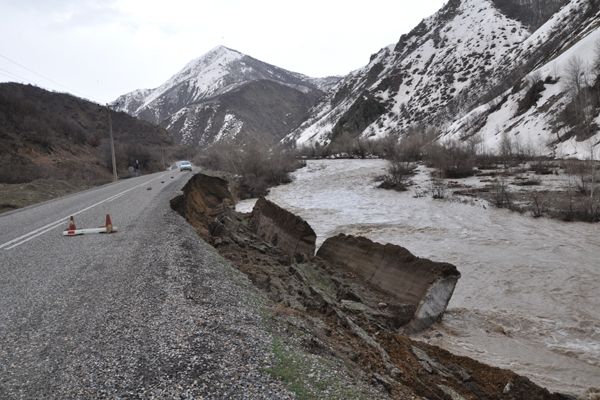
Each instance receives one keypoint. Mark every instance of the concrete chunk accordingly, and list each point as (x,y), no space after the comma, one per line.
(426,284)
(290,233)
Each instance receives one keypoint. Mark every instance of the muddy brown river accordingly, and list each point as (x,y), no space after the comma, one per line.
(529,296)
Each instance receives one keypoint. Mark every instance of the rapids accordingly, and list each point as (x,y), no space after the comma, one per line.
(529,296)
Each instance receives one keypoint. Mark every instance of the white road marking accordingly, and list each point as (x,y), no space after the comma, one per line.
(36,235)
(116,197)
(52,225)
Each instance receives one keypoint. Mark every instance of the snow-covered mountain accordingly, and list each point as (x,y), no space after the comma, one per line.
(547,111)
(227,94)
(464,56)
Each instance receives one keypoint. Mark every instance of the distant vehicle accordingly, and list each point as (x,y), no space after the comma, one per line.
(184,165)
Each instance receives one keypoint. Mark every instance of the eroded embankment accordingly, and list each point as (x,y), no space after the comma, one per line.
(352,298)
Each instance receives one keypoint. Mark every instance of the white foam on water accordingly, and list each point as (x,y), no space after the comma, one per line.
(528,298)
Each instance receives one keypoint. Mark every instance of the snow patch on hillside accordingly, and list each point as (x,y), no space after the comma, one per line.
(536,128)
(555,23)
(449,53)
(229,129)
(205,74)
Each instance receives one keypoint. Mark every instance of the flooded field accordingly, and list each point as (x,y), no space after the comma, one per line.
(529,296)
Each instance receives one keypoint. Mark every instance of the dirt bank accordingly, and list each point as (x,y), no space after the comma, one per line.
(18,195)
(353,313)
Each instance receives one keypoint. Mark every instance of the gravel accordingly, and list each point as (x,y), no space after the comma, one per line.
(159,315)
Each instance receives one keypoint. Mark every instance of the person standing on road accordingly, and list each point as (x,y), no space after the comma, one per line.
(136,167)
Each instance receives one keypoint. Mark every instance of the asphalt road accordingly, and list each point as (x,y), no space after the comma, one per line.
(149,311)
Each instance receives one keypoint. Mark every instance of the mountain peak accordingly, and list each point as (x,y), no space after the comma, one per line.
(197,106)
(219,53)
(216,57)
(220,49)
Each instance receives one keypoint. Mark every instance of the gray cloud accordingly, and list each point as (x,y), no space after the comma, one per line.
(106,48)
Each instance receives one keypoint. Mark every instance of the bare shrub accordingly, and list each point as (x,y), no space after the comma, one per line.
(344,144)
(257,164)
(583,202)
(438,188)
(500,194)
(312,150)
(414,142)
(538,204)
(402,155)
(451,159)
(487,160)
(578,208)
(386,147)
(541,167)
(581,174)
(397,176)
(18,169)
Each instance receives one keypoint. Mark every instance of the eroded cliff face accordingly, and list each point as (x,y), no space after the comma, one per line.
(419,282)
(290,233)
(377,284)
(204,199)
(352,300)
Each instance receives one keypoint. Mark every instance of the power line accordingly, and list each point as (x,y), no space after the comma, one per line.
(12,75)
(36,73)
(112,145)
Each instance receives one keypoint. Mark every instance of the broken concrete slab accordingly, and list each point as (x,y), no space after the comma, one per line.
(426,284)
(290,233)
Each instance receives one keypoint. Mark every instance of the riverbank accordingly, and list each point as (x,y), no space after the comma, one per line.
(533,279)
(343,316)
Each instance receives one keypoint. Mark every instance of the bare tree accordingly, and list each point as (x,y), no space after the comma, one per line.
(533,78)
(537,203)
(577,81)
(505,148)
(344,144)
(596,64)
(575,76)
(475,143)
(596,69)
(555,71)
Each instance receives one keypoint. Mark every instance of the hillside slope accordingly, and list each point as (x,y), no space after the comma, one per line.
(48,135)
(439,66)
(198,106)
(555,108)
(470,53)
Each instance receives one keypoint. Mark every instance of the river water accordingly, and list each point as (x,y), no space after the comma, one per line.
(529,296)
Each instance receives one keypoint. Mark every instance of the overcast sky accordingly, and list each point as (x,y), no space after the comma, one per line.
(102,49)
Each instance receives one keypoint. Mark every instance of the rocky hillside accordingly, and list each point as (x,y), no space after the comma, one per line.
(227,95)
(48,135)
(468,53)
(554,109)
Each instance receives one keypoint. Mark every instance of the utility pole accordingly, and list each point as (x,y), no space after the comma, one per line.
(593,174)
(112,145)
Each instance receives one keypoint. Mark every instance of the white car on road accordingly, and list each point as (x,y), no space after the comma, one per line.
(184,165)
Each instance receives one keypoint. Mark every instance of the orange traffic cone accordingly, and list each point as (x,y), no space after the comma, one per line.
(108,225)
(71,226)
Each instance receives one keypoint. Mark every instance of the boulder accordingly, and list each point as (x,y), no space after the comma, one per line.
(290,233)
(425,284)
